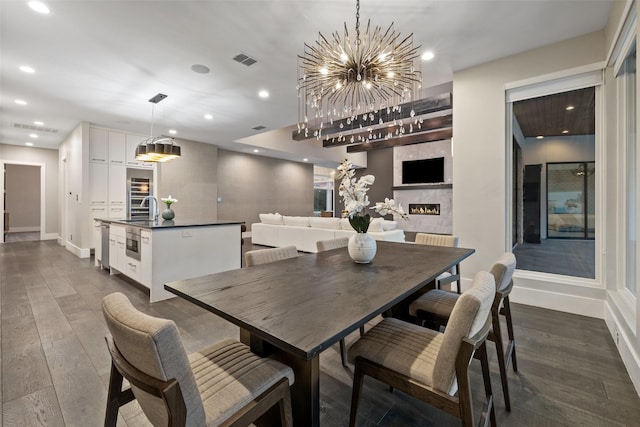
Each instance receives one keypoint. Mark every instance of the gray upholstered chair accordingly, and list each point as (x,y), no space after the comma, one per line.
(442,240)
(430,365)
(224,384)
(326,245)
(264,256)
(434,308)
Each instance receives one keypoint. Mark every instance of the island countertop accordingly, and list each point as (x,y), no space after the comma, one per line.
(162,224)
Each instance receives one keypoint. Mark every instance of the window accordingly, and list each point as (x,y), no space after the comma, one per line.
(627,93)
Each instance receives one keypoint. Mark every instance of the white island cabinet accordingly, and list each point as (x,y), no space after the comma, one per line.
(169,251)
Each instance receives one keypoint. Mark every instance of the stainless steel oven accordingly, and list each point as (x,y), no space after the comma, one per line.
(133,243)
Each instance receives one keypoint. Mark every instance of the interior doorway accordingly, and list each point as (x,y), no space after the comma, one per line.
(23,202)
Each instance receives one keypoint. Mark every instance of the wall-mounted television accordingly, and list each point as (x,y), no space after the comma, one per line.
(423,171)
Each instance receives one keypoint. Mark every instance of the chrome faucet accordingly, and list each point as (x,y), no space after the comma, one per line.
(152,217)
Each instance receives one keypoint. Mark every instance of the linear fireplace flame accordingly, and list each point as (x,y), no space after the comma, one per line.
(424,209)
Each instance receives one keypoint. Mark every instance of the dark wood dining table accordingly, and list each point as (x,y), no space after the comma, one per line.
(295,309)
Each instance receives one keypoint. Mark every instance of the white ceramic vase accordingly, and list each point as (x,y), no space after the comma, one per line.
(362,248)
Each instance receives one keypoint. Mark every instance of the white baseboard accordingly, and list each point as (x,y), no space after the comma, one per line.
(573,304)
(627,352)
(24,229)
(50,236)
(77,251)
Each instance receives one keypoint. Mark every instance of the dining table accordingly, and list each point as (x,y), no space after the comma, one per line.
(296,308)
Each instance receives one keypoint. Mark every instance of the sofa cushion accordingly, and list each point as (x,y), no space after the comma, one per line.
(388,225)
(376,225)
(345,224)
(327,223)
(269,218)
(296,221)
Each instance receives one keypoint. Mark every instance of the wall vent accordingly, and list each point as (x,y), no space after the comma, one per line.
(259,127)
(33,127)
(245,59)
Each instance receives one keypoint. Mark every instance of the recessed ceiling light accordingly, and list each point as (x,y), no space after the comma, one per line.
(428,55)
(565,131)
(570,107)
(27,69)
(29,144)
(208,116)
(200,69)
(263,94)
(256,150)
(305,160)
(38,123)
(20,101)
(539,137)
(33,135)
(39,7)
(172,131)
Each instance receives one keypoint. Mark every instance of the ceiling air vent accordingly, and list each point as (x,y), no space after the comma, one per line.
(33,127)
(259,127)
(244,59)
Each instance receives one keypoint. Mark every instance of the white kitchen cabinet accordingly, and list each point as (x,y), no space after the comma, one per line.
(146,264)
(132,268)
(98,184)
(97,240)
(117,248)
(117,212)
(117,148)
(117,185)
(98,145)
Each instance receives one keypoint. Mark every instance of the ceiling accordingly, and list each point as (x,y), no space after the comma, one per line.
(100,61)
(561,114)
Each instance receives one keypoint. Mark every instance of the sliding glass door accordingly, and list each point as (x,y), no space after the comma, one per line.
(571,200)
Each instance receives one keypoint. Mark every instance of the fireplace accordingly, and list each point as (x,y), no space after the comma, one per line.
(424,208)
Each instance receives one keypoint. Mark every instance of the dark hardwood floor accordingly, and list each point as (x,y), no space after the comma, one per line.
(55,364)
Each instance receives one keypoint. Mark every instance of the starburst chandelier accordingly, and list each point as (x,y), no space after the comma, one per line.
(344,78)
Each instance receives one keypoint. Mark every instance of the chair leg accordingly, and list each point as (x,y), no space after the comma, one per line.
(511,348)
(286,417)
(362,330)
(358,378)
(496,337)
(343,352)
(115,397)
(486,376)
(457,267)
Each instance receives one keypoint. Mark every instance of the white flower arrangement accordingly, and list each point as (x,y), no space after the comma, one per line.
(169,201)
(354,195)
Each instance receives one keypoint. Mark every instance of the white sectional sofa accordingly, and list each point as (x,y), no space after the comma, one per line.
(303,232)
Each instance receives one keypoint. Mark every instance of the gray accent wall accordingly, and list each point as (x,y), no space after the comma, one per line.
(192,179)
(249,185)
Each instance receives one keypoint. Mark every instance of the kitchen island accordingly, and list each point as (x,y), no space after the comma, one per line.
(155,252)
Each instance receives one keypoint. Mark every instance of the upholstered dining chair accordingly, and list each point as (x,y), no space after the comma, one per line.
(430,365)
(434,308)
(442,240)
(326,245)
(264,256)
(222,385)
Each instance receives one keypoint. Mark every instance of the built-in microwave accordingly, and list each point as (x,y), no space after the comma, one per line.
(133,243)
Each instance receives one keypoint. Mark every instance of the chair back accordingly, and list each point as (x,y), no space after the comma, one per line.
(153,346)
(326,245)
(502,271)
(469,315)
(436,239)
(265,256)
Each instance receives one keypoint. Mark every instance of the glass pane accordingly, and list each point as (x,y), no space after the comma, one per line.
(566,200)
(628,82)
